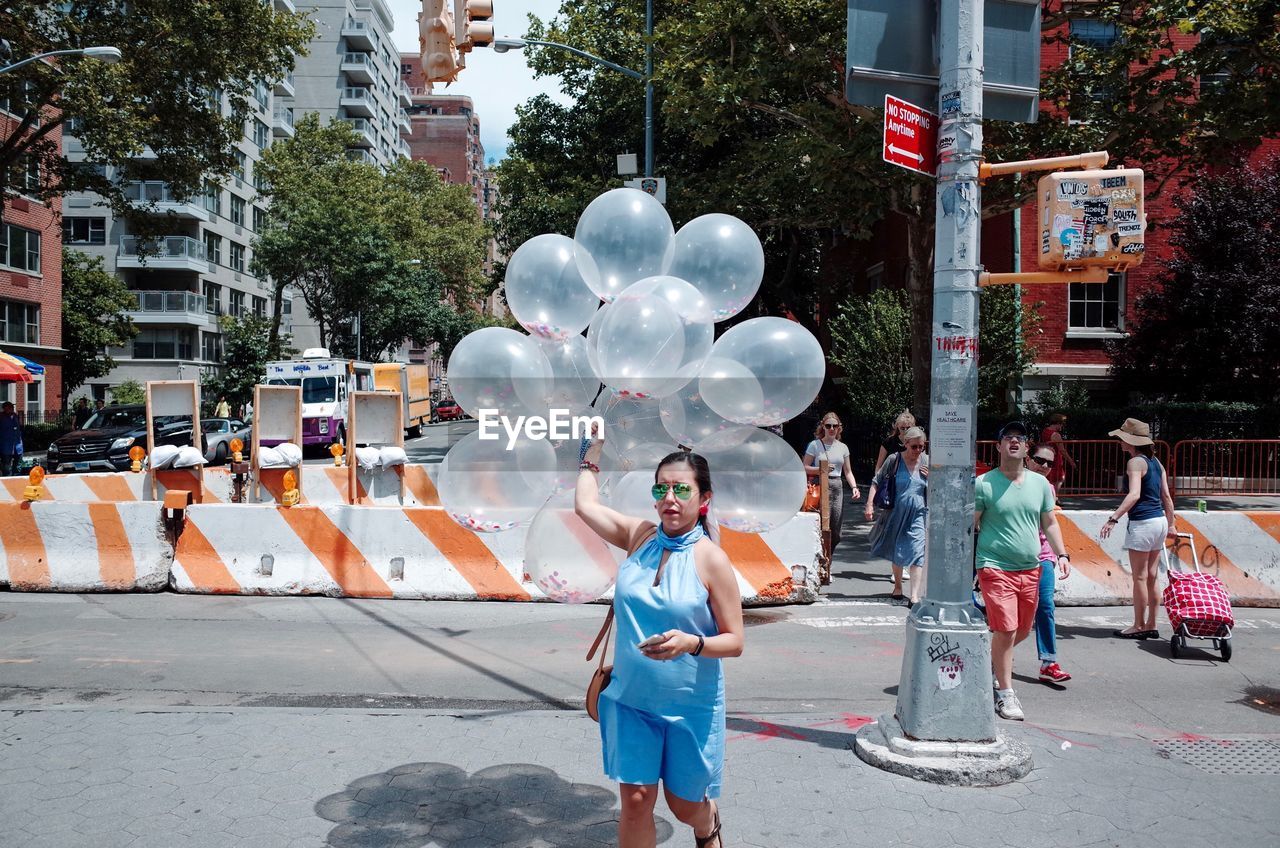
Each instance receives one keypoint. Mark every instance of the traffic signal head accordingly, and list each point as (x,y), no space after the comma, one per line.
(473,22)
(1091,219)
(440,59)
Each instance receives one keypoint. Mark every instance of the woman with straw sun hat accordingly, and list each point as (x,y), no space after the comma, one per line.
(1150,509)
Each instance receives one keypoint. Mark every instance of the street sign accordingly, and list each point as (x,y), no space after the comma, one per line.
(892,48)
(657,186)
(910,136)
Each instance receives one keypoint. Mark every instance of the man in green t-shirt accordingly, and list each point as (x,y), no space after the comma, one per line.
(1011,506)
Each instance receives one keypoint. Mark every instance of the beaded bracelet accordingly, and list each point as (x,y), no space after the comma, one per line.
(588,466)
(583,447)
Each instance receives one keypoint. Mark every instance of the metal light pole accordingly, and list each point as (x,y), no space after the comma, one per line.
(110,55)
(502,45)
(944,729)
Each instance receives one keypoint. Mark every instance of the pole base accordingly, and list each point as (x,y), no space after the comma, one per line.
(885,746)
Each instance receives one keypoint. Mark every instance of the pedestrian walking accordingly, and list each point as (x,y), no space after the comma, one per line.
(1151,520)
(10,440)
(899,532)
(82,413)
(222,410)
(827,445)
(894,443)
(1052,435)
(1010,506)
(1043,461)
(679,612)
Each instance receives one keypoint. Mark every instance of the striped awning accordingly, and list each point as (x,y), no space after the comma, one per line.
(34,367)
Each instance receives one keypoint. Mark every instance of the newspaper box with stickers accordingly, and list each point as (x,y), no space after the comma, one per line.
(1091,219)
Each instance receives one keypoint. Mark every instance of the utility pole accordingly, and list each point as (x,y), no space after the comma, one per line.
(944,727)
(648,88)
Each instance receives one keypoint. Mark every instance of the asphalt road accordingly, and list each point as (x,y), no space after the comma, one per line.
(431,446)
(171,650)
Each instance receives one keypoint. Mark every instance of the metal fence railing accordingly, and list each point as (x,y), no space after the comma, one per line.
(1226,467)
(1098,464)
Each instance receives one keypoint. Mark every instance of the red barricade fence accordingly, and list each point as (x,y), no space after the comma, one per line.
(1195,466)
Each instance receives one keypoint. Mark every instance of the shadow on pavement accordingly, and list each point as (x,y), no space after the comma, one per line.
(751,728)
(437,804)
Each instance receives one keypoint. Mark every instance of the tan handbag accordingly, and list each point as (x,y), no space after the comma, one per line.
(600,677)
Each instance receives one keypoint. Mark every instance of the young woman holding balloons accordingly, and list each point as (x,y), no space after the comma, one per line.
(679,612)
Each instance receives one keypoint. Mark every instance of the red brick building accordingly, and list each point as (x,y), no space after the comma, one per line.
(445,131)
(1077,320)
(31,290)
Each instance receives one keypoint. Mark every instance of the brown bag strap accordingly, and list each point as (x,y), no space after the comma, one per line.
(602,636)
(608,619)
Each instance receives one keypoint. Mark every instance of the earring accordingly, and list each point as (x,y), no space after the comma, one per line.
(702,510)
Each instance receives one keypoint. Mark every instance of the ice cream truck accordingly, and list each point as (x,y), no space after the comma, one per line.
(326,382)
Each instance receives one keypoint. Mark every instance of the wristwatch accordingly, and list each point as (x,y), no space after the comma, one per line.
(1067,557)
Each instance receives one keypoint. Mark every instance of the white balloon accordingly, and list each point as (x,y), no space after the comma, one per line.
(593,338)
(628,235)
(723,258)
(758,484)
(642,351)
(574,383)
(629,422)
(633,495)
(694,424)
(487,488)
(546,290)
(498,368)
(785,364)
(565,558)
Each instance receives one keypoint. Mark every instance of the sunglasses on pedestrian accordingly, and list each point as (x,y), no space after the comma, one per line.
(1040,460)
(915,447)
(683,491)
(830,426)
(1011,438)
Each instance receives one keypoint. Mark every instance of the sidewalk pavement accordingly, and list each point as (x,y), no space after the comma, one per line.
(262,777)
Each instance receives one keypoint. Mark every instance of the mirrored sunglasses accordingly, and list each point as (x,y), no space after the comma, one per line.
(683,491)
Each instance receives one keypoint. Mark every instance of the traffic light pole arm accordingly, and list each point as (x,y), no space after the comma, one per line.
(588,56)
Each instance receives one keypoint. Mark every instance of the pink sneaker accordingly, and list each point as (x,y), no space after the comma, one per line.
(1053,673)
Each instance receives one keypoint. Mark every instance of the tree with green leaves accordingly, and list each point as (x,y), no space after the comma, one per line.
(871,343)
(94,304)
(246,350)
(128,392)
(164,94)
(1211,330)
(394,252)
(752,121)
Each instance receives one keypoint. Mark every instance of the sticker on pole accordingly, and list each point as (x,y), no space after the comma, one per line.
(910,136)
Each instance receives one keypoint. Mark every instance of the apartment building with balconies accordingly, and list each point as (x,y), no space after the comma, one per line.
(196,271)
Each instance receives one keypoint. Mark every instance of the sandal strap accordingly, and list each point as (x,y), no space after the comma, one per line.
(704,841)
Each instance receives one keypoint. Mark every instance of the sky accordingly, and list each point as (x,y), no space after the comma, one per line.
(496,82)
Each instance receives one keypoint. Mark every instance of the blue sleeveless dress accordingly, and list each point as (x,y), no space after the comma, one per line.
(663,720)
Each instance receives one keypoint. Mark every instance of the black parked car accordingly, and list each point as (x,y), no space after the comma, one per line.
(104,443)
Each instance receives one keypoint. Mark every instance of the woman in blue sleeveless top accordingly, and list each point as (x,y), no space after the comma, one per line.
(662,714)
(1150,509)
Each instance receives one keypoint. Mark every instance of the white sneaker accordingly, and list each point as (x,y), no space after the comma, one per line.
(1008,706)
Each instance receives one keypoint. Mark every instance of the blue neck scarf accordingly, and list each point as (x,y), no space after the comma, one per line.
(681,547)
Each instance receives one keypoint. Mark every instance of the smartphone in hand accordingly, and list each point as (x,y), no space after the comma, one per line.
(651,641)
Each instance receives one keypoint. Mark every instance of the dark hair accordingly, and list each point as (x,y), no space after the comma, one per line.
(1057,418)
(1047,446)
(701,475)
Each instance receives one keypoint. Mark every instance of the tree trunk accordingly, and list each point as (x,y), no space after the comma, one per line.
(920,293)
(277,313)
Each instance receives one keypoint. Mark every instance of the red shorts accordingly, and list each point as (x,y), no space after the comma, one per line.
(1011,598)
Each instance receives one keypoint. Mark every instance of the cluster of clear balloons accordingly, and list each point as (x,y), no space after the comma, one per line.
(630,303)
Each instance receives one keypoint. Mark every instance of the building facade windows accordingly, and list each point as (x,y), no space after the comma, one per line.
(261,134)
(237,210)
(213,248)
(237,304)
(260,307)
(213,298)
(84,230)
(259,219)
(236,256)
(211,347)
(19,322)
(20,248)
(162,344)
(1096,307)
(213,197)
(239,170)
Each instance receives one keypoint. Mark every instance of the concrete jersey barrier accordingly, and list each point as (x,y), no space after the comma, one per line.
(1240,548)
(79,547)
(421,553)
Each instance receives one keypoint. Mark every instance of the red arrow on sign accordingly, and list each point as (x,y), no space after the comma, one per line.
(910,136)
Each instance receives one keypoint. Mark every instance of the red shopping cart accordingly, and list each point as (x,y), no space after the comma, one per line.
(1197,604)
